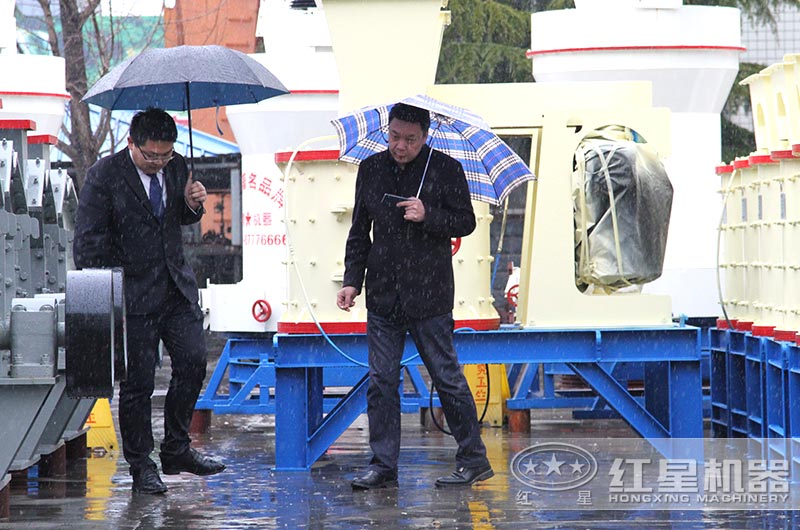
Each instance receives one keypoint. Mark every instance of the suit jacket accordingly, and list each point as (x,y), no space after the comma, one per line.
(115,227)
(407,261)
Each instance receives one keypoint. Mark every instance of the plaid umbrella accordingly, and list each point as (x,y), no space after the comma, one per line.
(493,170)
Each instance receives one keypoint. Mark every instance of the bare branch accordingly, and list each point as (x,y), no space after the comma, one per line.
(88,11)
(103,127)
(52,36)
(102,51)
(64,147)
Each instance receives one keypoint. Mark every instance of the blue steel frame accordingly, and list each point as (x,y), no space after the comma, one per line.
(250,369)
(755,393)
(671,408)
(533,387)
(243,382)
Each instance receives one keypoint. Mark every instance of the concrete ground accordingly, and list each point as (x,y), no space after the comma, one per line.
(95,492)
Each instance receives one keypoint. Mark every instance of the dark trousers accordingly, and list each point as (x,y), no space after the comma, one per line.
(180,325)
(434,340)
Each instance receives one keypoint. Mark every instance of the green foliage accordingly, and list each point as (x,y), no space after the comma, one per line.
(485,43)
(739,97)
(736,141)
(482,63)
(550,5)
(520,5)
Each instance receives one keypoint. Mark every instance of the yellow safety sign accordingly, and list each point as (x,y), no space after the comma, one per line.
(102,436)
(491,385)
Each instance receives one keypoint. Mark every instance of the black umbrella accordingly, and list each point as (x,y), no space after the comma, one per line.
(185,78)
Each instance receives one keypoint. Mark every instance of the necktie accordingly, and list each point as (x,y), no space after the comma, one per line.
(155,197)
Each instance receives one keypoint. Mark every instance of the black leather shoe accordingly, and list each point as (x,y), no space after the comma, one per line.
(191,462)
(465,476)
(147,481)
(372,480)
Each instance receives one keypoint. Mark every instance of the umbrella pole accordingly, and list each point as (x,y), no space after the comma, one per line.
(430,152)
(424,172)
(191,145)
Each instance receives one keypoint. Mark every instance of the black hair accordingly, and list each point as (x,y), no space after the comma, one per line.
(153,124)
(411,114)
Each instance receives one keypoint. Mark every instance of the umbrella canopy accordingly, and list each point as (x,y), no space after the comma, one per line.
(185,78)
(492,169)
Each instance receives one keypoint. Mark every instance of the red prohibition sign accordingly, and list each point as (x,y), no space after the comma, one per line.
(261,310)
(455,244)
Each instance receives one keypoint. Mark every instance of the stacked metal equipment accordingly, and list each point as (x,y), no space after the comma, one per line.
(757,258)
(755,346)
(40,413)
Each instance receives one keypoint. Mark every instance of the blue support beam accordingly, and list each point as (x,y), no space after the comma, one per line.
(337,421)
(754,384)
(509,347)
(793,408)
(302,435)
(248,366)
(776,391)
(250,371)
(756,394)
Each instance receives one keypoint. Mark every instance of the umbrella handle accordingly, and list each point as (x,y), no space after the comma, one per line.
(216,122)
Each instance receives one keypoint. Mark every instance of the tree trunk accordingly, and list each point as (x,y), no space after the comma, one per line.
(82,148)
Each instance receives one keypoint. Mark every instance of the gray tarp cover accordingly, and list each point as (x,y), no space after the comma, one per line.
(623,199)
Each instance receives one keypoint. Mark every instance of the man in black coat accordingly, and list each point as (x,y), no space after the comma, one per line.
(409,281)
(131,209)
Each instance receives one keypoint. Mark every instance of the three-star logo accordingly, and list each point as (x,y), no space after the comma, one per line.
(554,466)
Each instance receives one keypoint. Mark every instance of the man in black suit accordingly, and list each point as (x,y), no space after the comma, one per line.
(131,209)
(409,282)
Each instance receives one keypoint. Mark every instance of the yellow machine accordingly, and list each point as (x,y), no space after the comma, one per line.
(557,117)
(317,229)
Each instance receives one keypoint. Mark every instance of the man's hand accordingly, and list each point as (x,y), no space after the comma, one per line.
(194,193)
(415,210)
(346,297)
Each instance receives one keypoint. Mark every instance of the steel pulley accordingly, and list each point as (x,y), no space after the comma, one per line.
(96,346)
(120,328)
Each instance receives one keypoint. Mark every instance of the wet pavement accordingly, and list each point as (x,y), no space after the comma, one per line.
(95,493)
(249,494)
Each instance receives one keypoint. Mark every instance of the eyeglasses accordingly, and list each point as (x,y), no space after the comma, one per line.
(154,157)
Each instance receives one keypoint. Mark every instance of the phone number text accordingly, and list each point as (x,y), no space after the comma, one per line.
(269,240)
